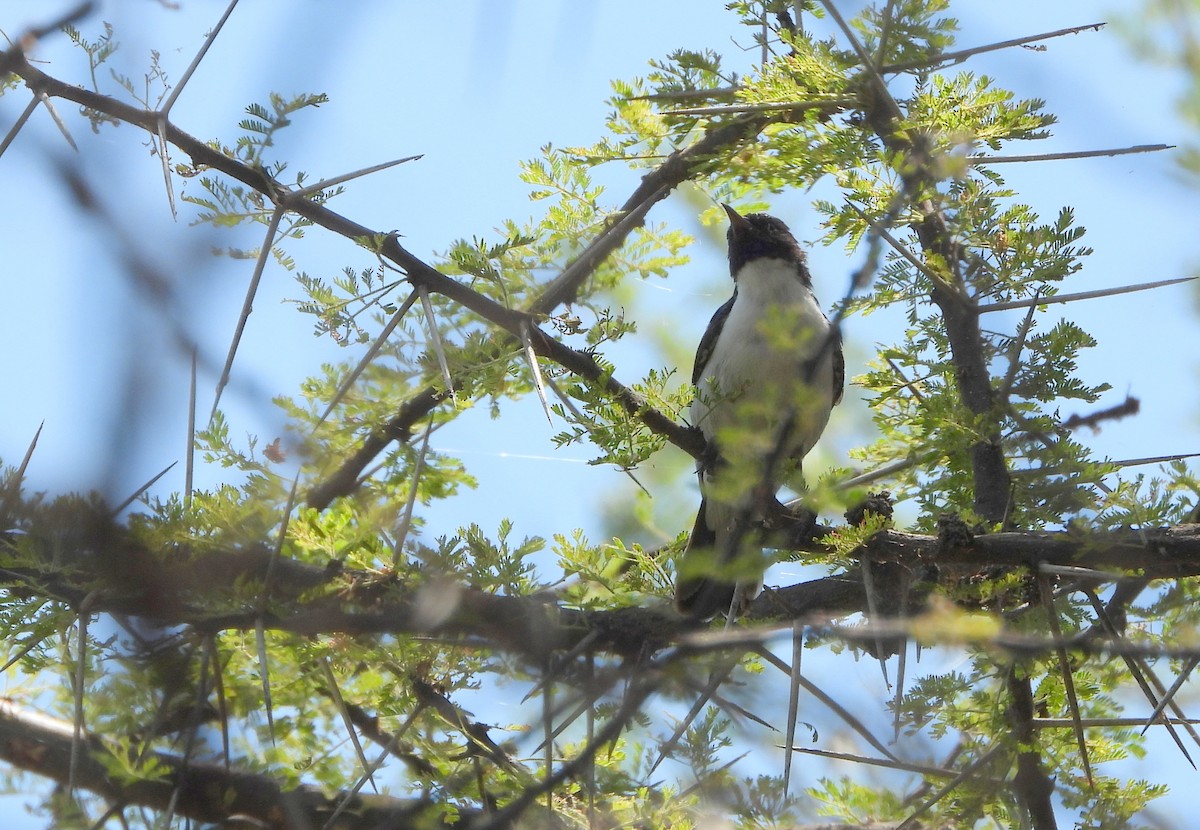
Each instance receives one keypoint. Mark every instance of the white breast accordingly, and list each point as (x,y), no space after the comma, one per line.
(746,363)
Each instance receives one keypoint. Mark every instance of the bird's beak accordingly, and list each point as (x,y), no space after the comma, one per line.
(737,222)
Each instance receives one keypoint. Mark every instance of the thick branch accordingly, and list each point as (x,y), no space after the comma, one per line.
(959,312)
(174,592)
(1034,787)
(41,745)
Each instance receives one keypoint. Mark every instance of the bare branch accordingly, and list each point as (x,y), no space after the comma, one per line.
(961,55)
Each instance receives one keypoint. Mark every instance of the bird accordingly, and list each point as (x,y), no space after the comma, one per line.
(768,371)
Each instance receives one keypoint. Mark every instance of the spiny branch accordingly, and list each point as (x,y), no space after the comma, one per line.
(654,187)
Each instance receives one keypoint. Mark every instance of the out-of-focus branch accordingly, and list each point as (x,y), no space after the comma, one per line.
(41,745)
(313,600)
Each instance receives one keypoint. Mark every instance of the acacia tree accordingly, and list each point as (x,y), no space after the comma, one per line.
(293,652)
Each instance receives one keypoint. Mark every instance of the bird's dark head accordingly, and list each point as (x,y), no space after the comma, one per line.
(760,236)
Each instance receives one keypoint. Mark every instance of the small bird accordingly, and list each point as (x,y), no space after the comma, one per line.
(768,371)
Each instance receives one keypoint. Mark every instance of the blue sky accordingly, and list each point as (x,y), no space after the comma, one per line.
(475,87)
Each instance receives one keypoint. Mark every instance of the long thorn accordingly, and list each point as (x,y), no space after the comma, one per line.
(963,54)
(247,305)
(435,337)
(336,694)
(793,702)
(345,177)
(264,672)
(547,729)
(536,372)
(14,486)
(80,663)
(222,703)
(967,772)
(715,678)
(62,126)
(933,772)
(164,156)
(187,74)
(384,334)
(1077,154)
(1137,669)
(1154,459)
(133,496)
(819,693)
(260,633)
(411,501)
(189,467)
(18,124)
(1187,669)
(796,106)
(900,248)
(1082,295)
(873,614)
(1064,663)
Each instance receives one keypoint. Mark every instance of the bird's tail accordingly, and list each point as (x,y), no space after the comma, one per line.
(702,587)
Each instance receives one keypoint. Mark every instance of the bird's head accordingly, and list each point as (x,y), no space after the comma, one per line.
(759,236)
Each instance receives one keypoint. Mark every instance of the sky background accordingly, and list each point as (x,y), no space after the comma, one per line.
(475,87)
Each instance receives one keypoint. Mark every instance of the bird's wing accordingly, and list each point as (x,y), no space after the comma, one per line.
(709,341)
(839,368)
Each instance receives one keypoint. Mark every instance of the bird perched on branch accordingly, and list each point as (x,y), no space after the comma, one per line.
(768,371)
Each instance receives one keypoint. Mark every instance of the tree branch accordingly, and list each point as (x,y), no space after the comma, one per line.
(41,745)
(343,600)
(655,186)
